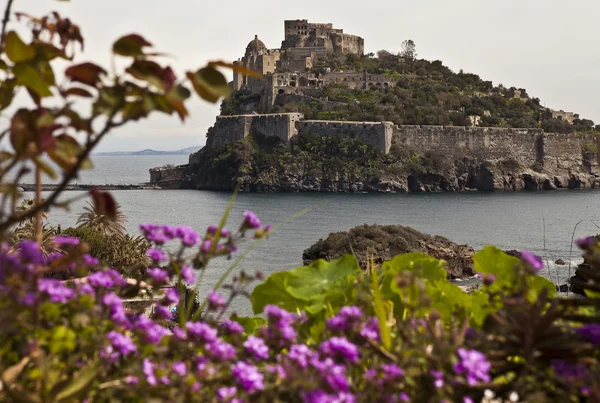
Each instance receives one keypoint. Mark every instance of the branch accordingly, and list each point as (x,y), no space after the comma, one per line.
(5,22)
(69,175)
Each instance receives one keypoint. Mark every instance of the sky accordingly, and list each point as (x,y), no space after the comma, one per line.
(548,47)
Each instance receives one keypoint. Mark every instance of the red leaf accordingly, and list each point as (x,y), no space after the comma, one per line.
(86,73)
(80,92)
(104,203)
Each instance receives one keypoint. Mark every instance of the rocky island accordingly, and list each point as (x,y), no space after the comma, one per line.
(328,118)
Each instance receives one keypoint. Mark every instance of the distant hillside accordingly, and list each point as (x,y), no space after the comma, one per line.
(148,151)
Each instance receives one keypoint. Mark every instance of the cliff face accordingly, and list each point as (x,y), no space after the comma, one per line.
(321,164)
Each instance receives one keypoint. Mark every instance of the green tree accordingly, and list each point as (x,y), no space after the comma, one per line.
(409,49)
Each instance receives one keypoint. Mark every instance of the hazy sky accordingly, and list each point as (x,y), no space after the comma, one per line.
(549,47)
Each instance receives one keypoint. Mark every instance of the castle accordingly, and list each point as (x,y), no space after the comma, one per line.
(288,70)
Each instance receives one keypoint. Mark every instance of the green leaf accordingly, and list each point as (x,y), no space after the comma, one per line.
(45,167)
(536,284)
(423,265)
(380,311)
(7,93)
(273,291)
(78,384)
(63,340)
(209,84)
(491,260)
(308,282)
(66,152)
(130,45)
(17,50)
(31,78)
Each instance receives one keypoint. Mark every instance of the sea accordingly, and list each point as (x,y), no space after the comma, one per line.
(543,222)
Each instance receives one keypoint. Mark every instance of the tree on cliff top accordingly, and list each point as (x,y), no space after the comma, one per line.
(409,49)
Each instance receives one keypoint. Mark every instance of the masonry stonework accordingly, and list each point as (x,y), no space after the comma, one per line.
(376,134)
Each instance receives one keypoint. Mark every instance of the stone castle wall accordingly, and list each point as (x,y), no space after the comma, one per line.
(229,129)
(377,134)
(525,146)
(482,142)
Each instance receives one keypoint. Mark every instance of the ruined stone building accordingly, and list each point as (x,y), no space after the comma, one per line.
(288,70)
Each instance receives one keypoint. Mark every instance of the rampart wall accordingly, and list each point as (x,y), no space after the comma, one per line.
(525,146)
(481,142)
(377,134)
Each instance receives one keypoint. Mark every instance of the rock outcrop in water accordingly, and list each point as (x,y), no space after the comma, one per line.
(383,242)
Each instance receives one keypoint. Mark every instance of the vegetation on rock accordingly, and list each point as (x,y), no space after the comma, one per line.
(380,243)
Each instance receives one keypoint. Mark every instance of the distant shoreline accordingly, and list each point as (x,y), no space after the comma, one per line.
(27,187)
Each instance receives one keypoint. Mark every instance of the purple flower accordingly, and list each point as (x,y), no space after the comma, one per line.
(248,377)
(90,261)
(340,347)
(56,290)
(587,242)
(201,331)
(370,330)
(438,378)
(225,233)
(590,332)
(172,296)
(106,279)
(275,313)
(226,393)
(162,312)
(232,327)
(404,397)
(28,299)
(319,396)
(148,368)
(153,332)
(215,301)
(122,343)
(301,354)
(179,368)
(391,371)
(65,241)
(31,252)
(206,246)
(179,333)
(531,260)
(251,220)
(158,275)
(116,309)
(188,274)
(132,380)
(188,236)
(467,399)
(221,350)
(157,255)
(345,318)
(567,370)
(333,374)
(474,365)
(212,229)
(257,347)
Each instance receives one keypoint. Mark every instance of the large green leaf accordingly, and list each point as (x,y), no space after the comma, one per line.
(273,291)
(17,50)
(536,284)
(308,282)
(491,260)
(425,266)
(130,45)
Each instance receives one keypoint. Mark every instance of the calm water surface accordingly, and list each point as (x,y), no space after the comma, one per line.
(541,222)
